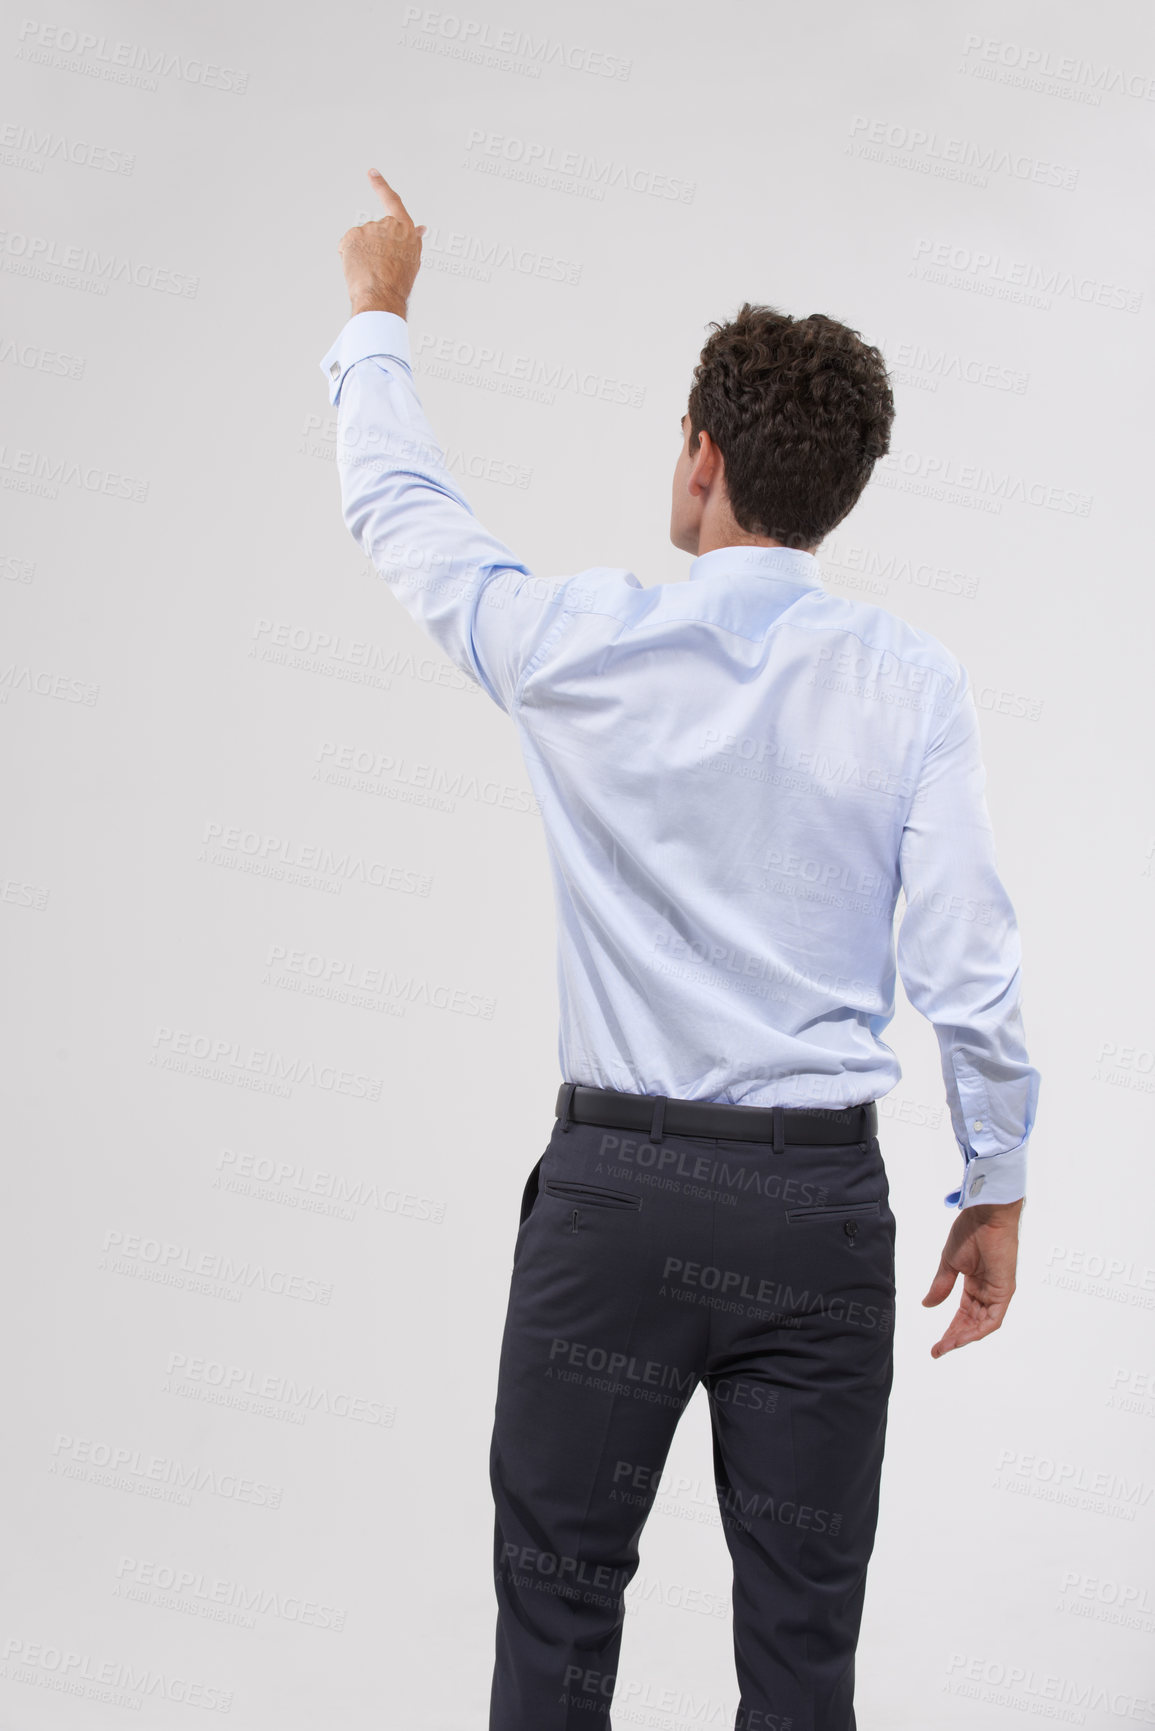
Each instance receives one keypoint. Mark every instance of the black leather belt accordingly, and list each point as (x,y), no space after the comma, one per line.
(656,1114)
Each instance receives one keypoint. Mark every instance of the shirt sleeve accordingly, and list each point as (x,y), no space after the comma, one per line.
(959,957)
(484,608)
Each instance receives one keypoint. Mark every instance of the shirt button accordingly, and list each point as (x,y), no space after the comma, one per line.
(334,369)
(978,1123)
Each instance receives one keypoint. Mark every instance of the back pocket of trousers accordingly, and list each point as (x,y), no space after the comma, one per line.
(594,1194)
(831,1211)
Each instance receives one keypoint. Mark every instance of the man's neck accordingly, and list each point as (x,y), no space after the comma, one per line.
(710,543)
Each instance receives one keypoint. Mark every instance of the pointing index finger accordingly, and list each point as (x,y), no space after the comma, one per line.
(393,205)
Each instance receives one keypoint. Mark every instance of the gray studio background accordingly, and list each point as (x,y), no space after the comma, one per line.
(275,907)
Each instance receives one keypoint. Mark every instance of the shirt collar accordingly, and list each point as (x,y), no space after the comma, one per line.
(789,564)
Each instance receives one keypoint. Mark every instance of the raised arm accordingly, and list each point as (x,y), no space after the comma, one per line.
(480,603)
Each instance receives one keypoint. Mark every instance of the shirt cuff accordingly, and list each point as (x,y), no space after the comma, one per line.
(374,333)
(992,1178)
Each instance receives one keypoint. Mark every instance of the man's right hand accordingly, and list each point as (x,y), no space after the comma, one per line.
(381,259)
(983,1247)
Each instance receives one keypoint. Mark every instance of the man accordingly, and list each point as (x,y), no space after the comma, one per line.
(737,775)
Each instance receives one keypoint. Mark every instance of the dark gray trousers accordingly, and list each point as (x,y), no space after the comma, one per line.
(641,1269)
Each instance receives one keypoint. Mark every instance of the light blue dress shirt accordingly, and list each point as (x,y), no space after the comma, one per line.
(737,774)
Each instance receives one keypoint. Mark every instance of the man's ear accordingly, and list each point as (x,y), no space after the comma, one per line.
(706,460)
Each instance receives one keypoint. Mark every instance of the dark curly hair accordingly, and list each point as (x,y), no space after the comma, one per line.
(801,411)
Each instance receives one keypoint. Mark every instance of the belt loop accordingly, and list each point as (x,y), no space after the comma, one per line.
(779,1128)
(658,1118)
(567,1114)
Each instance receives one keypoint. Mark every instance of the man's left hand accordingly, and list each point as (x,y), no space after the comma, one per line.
(381,259)
(983,1247)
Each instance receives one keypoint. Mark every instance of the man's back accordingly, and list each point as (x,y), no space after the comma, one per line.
(724,769)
